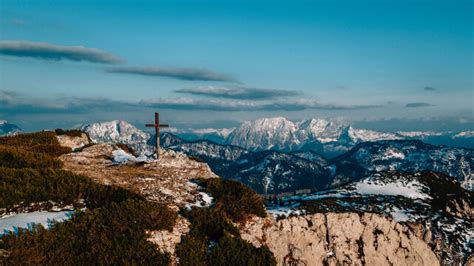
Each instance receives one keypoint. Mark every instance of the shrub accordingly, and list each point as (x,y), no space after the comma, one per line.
(192,251)
(29,186)
(41,142)
(236,251)
(209,223)
(196,159)
(17,158)
(70,133)
(214,240)
(113,234)
(110,231)
(235,199)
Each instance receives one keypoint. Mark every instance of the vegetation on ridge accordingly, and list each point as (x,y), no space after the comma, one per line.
(213,239)
(235,199)
(38,142)
(112,230)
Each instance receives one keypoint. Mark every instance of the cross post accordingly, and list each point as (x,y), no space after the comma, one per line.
(157,127)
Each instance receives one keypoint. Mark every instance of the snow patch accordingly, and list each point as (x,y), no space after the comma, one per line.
(399,215)
(202,200)
(412,189)
(24,220)
(121,157)
(285,211)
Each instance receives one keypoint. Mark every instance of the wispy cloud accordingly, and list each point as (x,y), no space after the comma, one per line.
(47,51)
(11,102)
(246,106)
(418,105)
(189,74)
(239,93)
(428,88)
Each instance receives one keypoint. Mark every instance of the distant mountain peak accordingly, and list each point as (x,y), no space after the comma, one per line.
(119,131)
(7,129)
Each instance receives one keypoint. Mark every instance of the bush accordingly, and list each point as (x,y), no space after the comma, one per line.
(114,234)
(70,133)
(110,231)
(209,223)
(192,251)
(196,159)
(12,157)
(41,142)
(235,199)
(235,251)
(29,186)
(214,240)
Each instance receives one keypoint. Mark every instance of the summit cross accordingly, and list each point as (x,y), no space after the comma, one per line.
(157,127)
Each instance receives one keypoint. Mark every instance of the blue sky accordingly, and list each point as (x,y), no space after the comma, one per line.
(211,63)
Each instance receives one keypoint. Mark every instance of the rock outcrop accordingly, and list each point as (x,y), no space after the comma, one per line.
(165,181)
(339,239)
(74,142)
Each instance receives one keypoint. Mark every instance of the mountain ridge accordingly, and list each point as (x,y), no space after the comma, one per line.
(275,171)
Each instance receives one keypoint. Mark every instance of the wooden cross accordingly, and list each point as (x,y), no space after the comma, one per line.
(157,127)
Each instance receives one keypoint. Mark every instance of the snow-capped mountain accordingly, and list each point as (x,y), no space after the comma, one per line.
(274,172)
(119,132)
(265,134)
(7,129)
(329,138)
(406,156)
(326,137)
(464,134)
(444,209)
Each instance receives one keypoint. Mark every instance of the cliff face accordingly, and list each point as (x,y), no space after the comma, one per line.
(339,239)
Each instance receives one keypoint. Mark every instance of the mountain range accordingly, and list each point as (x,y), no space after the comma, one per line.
(276,171)
(382,202)
(329,138)
(7,129)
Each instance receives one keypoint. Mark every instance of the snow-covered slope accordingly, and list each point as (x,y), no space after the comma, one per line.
(119,132)
(7,129)
(464,134)
(264,134)
(406,156)
(353,135)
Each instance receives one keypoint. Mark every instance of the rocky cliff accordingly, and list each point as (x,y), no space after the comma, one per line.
(339,239)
